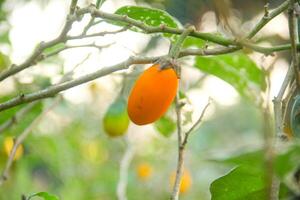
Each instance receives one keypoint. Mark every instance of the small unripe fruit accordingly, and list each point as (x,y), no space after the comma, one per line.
(144,171)
(152,94)
(8,146)
(186,181)
(116,121)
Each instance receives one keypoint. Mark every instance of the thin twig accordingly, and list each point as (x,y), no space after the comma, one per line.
(277,102)
(37,53)
(93,45)
(293,29)
(124,166)
(180,159)
(20,114)
(182,141)
(19,140)
(103,33)
(16,118)
(196,123)
(265,19)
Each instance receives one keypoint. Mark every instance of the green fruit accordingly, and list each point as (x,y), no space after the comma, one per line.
(165,126)
(116,120)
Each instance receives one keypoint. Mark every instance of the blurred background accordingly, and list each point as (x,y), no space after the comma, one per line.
(70,155)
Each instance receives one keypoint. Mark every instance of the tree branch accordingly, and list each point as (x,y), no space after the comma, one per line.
(182,141)
(53,90)
(76,14)
(21,138)
(16,118)
(180,159)
(124,166)
(277,102)
(267,18)
(293,29)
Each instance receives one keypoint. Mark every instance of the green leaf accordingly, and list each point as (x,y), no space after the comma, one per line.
(241,183)
(254,159)
(165,126)
(287,162)
(44,195)
(54,48)
(193,42)
(4,37)
(4,61)
(237,69)
(149,16)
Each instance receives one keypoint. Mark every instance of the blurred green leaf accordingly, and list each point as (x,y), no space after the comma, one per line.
(254,159)
(4,61)
(44,195)
(55,48)
(288,161)
(182,95)
(22,123)
(4,37)
(242,183)
(237,69)
(193,42)
(42,81)
(149,16)
(284,163)
(284,192)
(165,126)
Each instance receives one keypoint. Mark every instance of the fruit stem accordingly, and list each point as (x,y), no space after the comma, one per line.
(175,50)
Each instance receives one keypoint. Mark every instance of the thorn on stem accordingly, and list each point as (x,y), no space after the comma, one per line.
(266,7)
(162,26)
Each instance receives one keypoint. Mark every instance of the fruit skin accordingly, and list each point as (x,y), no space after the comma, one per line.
(116,120)
(152,95)
(8,145)
(144,171)
(186,181)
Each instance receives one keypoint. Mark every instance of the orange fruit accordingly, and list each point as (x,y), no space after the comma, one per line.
(144,171)
(152,94)
(8,145)
(186,181)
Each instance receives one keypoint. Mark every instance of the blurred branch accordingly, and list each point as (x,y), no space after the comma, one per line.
(37,53)
(19,140)
(271,181)
(277,102)
(73,6)
(22,113)
(124,166)
(196,123)
(293,30)
(16,118)
(84,35)
(99,47)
